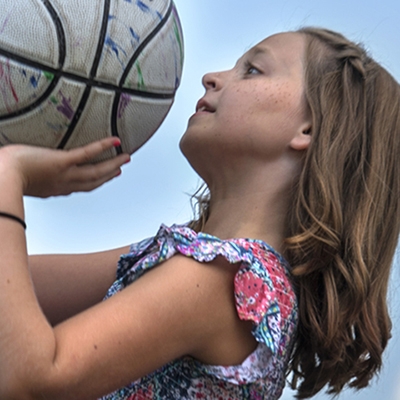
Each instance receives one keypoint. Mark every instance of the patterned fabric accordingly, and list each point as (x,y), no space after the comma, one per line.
(263,295)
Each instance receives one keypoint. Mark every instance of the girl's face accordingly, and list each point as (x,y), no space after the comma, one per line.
(256,108)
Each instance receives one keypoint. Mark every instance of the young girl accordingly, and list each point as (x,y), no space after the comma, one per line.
(285,269)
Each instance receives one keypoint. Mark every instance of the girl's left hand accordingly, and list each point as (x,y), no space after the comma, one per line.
(47,172)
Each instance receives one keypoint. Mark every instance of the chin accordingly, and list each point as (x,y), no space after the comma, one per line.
(188,144)
(195,154)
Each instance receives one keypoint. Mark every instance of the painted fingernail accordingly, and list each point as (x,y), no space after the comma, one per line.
(118,173)
(117,143)
(127,161)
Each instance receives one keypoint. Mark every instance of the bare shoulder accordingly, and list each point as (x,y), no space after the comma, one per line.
(220,337)
(197,300)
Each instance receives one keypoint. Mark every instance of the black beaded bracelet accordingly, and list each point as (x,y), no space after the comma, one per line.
(13,217)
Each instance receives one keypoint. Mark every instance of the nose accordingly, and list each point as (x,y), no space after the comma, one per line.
(212,80)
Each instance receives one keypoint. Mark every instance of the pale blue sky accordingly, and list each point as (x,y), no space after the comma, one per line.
(154,188)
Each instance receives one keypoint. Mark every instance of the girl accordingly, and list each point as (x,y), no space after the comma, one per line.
(285,269)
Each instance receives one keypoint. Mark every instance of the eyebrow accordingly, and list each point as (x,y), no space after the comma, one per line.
(258,50)
(261,50)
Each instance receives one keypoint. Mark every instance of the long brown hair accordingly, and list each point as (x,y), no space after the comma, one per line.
(345,220)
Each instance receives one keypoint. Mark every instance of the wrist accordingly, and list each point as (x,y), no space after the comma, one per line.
(11,182)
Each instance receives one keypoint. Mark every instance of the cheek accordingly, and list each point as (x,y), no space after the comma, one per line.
(280,97)
(286,104)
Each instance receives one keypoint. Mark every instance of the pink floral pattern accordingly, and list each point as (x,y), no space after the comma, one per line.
(263,295)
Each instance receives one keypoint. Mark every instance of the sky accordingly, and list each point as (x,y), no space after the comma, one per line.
(156,186)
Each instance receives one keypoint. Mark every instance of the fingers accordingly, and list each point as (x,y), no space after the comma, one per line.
(77,174)
(93,179)
(46,172)
(86,154)
(94,172)
(102,171)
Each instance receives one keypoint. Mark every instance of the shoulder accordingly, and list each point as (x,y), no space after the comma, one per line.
(198,298)
(222,285)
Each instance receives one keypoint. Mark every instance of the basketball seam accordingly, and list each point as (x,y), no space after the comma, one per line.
(75,118)
(60,33)
(136,54)
(148,39)
(88,89)
(87,81)
(100,44)
(35,104)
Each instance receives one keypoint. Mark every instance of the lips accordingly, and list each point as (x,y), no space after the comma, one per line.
(203,106)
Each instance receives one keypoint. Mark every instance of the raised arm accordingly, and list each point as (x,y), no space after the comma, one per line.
(66,285)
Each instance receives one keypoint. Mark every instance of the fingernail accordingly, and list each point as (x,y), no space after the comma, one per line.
(118,173)
(117,143)
(127,161)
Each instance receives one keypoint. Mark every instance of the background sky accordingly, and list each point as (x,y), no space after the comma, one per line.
(156,186)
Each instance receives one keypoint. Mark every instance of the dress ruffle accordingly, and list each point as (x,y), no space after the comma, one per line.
(263,292)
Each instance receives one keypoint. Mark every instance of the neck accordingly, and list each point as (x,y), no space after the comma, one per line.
(254,207)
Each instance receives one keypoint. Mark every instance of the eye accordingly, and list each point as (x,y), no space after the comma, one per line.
(250,69)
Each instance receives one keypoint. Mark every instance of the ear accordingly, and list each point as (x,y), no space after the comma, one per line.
(302,139)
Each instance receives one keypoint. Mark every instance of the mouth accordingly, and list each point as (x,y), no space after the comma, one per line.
(203,106)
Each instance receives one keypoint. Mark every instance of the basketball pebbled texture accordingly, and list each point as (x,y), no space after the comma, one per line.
(74,71)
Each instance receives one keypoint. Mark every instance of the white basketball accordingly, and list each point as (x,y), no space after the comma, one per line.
(74,71)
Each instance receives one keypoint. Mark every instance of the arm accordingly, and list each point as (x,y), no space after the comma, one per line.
(68,284)
(167,313)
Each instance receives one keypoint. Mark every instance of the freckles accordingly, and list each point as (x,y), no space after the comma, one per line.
(285,94)
(288,92)
(274,98)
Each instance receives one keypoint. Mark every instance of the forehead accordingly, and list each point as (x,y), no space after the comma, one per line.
(286,49)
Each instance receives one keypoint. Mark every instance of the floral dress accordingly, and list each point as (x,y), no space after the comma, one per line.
(263,295)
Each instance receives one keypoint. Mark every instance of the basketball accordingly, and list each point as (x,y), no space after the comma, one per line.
(73,71)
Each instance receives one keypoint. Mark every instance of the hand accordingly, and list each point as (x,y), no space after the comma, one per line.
(45,172)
